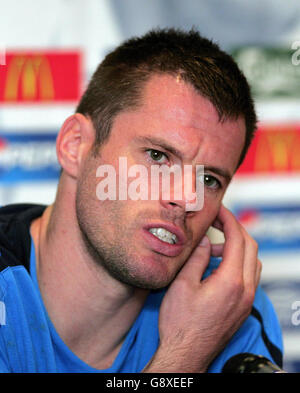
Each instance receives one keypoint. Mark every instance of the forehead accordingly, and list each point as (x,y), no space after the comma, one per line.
(172,109)
(172,97)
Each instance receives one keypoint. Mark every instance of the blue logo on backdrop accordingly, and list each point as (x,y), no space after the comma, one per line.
(28,157)
(285,297)
(275,228)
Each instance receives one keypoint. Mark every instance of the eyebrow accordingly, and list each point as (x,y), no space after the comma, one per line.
(162,143)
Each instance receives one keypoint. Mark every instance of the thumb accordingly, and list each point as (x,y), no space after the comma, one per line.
(197,263)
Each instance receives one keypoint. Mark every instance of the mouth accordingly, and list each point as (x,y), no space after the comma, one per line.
(165,239)
(164,235)
(167,233)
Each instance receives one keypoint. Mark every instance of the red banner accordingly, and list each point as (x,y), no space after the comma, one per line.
(38,76)
(275,149)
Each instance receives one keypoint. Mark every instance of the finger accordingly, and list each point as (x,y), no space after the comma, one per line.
(234,246)
(250,261)
(197,263)
(258,272)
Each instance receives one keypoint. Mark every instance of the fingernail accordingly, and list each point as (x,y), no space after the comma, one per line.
(204,242)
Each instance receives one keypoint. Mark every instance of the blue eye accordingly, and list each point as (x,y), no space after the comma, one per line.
(157,156)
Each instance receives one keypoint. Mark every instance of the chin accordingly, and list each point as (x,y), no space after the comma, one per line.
(146,284)
(149,275)
(154,276)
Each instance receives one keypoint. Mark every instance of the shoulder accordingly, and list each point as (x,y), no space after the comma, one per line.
(264,314)
(15,239)
(260,334)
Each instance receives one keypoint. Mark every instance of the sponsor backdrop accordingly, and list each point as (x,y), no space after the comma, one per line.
(48,51)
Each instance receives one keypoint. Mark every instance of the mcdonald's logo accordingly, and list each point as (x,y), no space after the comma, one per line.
(35,76)
(275,149)
(40,77)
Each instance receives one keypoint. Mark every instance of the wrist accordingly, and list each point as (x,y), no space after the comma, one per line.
(167,361)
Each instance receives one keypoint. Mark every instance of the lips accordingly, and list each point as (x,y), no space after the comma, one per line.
(160,246)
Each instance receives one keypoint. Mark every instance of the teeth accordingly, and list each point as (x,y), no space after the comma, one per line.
(164,235)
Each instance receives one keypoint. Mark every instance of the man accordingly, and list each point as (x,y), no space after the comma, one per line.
(126,285)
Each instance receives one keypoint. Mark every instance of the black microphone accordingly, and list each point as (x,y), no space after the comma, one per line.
(245,363)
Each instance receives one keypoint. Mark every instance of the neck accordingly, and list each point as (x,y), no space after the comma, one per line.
(91,311)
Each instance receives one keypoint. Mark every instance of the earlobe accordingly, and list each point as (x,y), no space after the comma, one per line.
(73,142)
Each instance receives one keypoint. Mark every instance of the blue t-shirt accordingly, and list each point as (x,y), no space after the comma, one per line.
(30,343)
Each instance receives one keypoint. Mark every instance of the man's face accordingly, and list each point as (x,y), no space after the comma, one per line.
(174,125)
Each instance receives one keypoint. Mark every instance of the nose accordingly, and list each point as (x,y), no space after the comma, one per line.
(186,192)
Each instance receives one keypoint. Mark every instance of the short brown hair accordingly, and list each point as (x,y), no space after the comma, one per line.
(117,83)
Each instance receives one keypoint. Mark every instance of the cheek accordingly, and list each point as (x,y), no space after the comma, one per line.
(205,217)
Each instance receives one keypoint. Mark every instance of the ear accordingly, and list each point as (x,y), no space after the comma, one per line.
(74,141)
